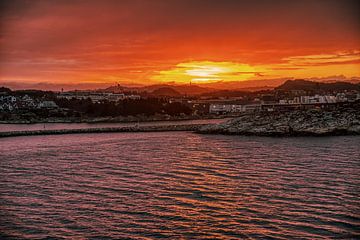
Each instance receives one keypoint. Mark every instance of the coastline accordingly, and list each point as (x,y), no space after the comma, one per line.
(312,122)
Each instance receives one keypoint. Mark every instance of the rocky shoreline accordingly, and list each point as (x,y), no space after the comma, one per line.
(314,122)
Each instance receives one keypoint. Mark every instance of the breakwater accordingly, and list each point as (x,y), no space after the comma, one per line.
(151,128)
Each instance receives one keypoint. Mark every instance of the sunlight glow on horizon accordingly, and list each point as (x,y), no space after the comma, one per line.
(307,66)
(207,71)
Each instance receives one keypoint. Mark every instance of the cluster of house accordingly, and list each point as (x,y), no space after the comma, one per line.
(97,96)
(199,106)
(11,103)
(283,104)
(339,97)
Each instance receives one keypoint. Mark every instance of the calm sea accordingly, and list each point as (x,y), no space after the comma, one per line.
(179,185)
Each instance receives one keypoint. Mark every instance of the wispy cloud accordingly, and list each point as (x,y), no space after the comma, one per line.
(325,59)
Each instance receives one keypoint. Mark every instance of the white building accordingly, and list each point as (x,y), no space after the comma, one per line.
(341,97)
(6,107)
(233,108)
(220,108)
(11,99)
(47,104)
(97,97)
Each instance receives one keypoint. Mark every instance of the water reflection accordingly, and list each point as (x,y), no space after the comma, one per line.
(179,185)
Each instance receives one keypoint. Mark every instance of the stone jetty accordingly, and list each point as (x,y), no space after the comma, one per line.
(153,128)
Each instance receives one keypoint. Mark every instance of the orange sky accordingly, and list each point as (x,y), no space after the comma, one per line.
(150,41)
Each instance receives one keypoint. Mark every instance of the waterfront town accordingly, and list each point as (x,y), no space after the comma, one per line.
(269,103)
(35,105)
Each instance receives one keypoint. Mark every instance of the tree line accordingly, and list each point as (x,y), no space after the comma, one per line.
(127,107)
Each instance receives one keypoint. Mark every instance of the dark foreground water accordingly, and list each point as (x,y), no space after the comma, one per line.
(179,185)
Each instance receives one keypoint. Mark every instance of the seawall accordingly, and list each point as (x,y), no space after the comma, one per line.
(155,128)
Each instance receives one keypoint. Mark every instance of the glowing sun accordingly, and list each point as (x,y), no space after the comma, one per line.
(206,71)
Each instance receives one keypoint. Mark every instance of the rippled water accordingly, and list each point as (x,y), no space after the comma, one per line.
(179,185)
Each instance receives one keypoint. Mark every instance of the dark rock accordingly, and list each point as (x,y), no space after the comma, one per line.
(295,123)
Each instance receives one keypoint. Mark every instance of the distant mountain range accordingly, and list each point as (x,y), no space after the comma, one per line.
(215,88)
(305,85)
(192,90)
(162,89)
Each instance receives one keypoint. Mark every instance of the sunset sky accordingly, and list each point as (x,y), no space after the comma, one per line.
(182,41)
